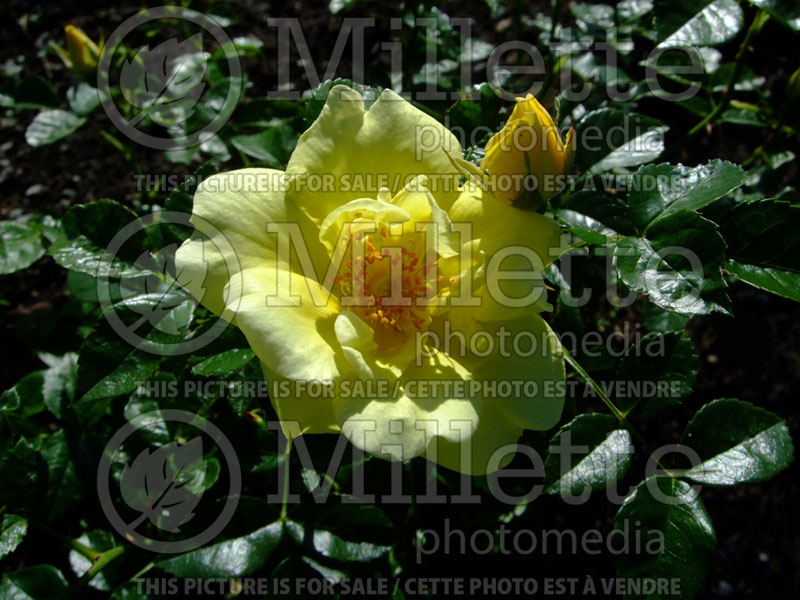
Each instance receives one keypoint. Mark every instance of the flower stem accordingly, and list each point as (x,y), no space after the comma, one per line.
(621,416)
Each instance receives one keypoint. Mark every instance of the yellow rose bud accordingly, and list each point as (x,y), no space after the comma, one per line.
(528,153)
(82,52)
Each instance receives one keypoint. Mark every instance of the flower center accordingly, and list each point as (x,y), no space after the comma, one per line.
(386,284)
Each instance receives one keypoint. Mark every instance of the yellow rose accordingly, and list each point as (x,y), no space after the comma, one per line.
(528,144)
(358,269)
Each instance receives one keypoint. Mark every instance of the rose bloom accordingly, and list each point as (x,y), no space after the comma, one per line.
(369,262)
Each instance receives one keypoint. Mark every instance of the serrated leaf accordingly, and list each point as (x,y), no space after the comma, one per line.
(63,485)
(23,477)
(153,429)
(333,546)
(677,517)
(40,582)
(108,367)
(229,558)
(20,246)
(12,532)
(52,388)
(658,320)
(696,22)
(607,210)
(677,265)
(610,138)
(599,454)
(738,443)
(751,230)
(159,485)
(658,191)
(783,283)
(666,363)
(224,363)
(786,12)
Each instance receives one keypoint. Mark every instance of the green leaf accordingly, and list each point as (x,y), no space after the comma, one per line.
(603,459)
(353,522)
(63,485)
(52,388)
(109,366)
(12,532)
(668,516)
(52,125)
(333,546)
(83,98)
(224,363)
(696,22)
(34,92)
(20,246)
(783,283)
(231,558)
(786,12)
(597,211)
(738,443)
(661,190)
(23,476)
(762,232)
(154,429)
(271,146)
(89,229)
(665,363)
(677,265)
(609,138)
(658,320)
(40,582)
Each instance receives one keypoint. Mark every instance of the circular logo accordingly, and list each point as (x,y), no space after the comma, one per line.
(157,295)
(169,82)
(164,487)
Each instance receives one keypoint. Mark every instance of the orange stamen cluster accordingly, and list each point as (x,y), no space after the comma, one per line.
(387,262)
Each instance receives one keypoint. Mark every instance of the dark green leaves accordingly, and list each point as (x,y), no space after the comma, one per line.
(696,22)
(51,125)
(661,368)
(230,558)
(677,264)
(738,443)
(42,582)
(660,190)
(593,452)
(224,363)
(611,138)
(677,536)
(763,233)
(12,530)
(786,12)
(783,283)
(52,388)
